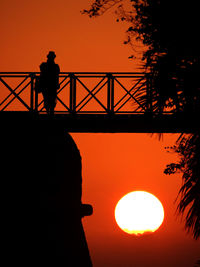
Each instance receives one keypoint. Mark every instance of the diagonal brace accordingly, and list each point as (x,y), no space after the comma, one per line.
(14,93)
(93,96)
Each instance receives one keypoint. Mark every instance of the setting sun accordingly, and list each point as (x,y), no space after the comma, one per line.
(139,212)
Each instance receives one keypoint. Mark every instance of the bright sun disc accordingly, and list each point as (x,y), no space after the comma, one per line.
(139,212)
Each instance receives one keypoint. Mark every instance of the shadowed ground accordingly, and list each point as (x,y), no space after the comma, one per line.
(41,196)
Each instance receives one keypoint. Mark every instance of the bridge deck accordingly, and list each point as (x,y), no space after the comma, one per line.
(103,123)
(91,102)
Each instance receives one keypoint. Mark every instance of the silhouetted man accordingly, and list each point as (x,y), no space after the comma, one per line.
(49,82)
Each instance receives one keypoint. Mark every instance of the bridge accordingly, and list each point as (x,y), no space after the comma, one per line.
(90,102)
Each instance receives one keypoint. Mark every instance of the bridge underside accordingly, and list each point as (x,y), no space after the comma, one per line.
(103,123)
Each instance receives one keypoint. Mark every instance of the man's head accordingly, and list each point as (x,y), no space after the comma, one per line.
(51,55)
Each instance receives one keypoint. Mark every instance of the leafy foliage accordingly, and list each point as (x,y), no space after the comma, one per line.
(169,31)
(188,148)
(99,7)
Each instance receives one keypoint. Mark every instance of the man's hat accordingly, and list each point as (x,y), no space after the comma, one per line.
(51,54)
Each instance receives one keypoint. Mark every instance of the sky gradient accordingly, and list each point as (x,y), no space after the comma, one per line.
(113,164)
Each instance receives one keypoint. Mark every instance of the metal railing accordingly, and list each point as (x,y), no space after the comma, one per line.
(79,93)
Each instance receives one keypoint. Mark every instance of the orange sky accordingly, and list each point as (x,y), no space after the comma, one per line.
(113,164)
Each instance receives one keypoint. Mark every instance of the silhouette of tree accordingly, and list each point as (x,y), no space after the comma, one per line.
(188,148)
(168,31)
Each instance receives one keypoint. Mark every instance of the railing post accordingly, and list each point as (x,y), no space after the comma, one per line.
(32,75)
(110,94)
(74,94)
(72,97)
(36,97)
(149,93)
